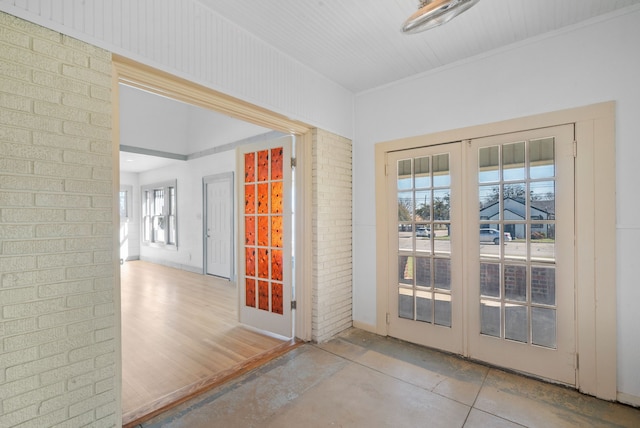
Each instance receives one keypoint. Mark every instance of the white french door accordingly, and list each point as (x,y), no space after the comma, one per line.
(481,255)
(219,225)
(265,235)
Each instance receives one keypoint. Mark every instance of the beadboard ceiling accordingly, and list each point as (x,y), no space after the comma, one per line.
(358,43)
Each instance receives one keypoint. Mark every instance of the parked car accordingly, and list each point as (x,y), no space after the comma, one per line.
(423,232)
(493,235)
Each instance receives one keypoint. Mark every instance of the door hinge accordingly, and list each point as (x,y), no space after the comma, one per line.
(294,162)
(293,304)
(575,149)
(388,318)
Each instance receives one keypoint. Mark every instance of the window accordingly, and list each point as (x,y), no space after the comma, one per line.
(159,214)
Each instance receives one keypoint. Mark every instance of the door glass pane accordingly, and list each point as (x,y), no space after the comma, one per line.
(423,271)
(405,270)
(515,240)
(405,303)
(543,243)
(489,203)
(404,174)
(405,206)
(490,318)
(405,237)
(422,177)
(424,306)
(489,164)
(515,283)
(543,327)
(542,158)
(423,205)
(441,174)
(513,161)
(443,309)
(542,200)
(490,279)
(516,324)
(489,241)
(441,204)
(442,238)
(543,285)
(442,277)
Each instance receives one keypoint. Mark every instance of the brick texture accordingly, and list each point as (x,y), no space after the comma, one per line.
(58,332)
(332,231)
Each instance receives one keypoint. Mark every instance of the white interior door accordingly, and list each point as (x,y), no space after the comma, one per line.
(265,235)
(219,225)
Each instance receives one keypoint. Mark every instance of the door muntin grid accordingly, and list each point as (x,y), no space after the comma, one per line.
(516,188)
(424,244)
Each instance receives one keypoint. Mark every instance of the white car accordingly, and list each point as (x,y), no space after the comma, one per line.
(493,235)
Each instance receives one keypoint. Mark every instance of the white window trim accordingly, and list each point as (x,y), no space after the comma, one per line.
(165,185)
(595,232)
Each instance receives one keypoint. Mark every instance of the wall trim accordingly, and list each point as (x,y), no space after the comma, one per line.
(595,252)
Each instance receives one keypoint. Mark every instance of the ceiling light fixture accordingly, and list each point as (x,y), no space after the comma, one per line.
(432,13)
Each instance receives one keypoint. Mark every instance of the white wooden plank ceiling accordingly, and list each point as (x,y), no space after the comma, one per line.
(358,43)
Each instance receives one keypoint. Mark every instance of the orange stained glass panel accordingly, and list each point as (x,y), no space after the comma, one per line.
(263,263)
(276,298)
(251,293)
(250,198)
(263,231)
(249,167)
(276,197)
(250,230)
(263,165)
(276,163)
(263,295)
(250,261)
(263,198)
(276,231)
(276,265)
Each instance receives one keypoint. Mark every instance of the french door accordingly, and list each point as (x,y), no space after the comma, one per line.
(483,239)
(265,235)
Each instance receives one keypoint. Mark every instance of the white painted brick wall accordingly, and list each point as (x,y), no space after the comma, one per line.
(332,230)
(57,316)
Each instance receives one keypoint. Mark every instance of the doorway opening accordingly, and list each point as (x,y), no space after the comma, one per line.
(172,238)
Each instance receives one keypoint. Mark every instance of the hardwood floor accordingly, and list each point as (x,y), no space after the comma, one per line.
(180,336)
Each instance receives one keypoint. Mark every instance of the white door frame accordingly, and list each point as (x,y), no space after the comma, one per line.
(225,176)
(595,256)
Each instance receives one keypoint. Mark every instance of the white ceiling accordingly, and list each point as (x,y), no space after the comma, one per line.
(358,43)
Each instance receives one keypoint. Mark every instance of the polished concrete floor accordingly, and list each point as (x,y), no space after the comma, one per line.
(362,380)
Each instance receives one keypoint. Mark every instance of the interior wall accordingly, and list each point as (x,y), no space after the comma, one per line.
(583,65)
(184,38)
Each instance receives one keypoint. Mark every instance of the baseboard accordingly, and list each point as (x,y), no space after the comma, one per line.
(364,326)
(163,262)
(629,399)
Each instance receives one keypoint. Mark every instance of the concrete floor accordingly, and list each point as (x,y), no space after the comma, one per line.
(362,380)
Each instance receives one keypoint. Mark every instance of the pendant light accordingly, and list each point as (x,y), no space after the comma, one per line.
(432,13)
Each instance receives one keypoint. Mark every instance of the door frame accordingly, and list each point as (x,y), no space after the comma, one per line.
(205,221)
(141,76)
(595,252)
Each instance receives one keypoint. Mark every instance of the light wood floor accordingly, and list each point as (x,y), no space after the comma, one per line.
(180,335)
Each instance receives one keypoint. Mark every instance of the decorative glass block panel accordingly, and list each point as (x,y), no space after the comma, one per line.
(250,261)
(276,163)
(263,165)
(276,231)
(249,167)
(263,198)
(263,231)
(263,295)
(276,298)
(276,265)
(250,230)
(250,290)
(263,263)
(516,323)
(250,199)
(276,197)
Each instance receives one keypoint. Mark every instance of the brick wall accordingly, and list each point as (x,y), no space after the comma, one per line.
(57,317)
(332,230)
